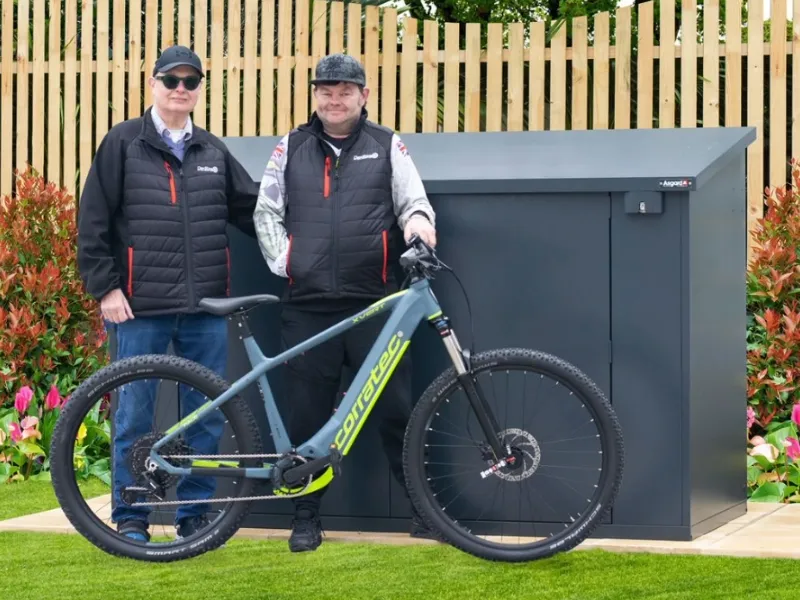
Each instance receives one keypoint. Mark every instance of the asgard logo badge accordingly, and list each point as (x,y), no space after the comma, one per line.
(674,183)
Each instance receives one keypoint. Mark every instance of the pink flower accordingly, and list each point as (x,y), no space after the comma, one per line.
(53,399)
(23,399)
(792,448)
(796,413)
(751,417)
(29,428)
(15,432)
(766,450)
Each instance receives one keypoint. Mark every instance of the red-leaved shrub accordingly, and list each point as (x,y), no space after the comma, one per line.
(51,333)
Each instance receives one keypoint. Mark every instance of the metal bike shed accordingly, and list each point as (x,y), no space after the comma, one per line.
(623,252)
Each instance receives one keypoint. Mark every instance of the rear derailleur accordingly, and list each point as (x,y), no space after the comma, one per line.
(152,482)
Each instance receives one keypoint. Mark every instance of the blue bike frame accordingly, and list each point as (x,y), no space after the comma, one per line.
(408,308)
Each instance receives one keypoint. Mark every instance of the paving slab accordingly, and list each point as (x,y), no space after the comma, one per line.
(767,530)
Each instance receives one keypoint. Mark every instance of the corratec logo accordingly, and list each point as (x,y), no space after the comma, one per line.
(674,183)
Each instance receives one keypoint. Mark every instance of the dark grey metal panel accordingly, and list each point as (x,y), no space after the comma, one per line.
(646,354)
(716,254)
(552,161)
(536,275)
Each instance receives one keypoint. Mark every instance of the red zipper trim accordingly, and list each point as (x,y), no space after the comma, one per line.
(173,192)
(130,270)
(228,261)
(288,259)
(385,255)
(327,182)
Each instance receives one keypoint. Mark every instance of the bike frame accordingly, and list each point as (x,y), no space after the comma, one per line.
(408,308)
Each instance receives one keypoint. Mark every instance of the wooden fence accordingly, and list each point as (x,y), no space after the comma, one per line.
(637,67)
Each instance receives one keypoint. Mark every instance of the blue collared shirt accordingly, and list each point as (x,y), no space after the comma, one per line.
(184,134)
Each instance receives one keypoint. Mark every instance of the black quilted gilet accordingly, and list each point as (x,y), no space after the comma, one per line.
(340,219)
(174,238)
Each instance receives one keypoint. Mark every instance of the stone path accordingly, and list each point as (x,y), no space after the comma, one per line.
(768,530)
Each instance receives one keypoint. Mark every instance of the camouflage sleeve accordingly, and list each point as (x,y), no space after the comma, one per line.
(407,189)
(270,210)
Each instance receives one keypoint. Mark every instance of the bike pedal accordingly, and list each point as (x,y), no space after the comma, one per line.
(336,461)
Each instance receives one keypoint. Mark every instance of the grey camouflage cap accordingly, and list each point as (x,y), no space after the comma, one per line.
(336,68)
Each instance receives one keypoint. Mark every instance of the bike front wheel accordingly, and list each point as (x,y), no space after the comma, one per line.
(568,451)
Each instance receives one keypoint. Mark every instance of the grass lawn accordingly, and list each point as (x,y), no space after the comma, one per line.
(68,566)
(18,499)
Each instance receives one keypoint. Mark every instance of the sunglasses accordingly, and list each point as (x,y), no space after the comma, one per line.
(171,82)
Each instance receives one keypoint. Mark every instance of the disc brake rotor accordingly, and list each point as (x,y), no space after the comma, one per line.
(525,449)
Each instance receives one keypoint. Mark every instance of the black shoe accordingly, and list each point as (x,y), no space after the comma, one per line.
(191,525)
(419,529)
(306,531)
(136,529)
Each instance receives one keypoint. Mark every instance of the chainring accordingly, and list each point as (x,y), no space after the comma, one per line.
(283,464)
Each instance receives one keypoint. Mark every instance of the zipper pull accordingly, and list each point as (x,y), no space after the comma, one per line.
(326,182)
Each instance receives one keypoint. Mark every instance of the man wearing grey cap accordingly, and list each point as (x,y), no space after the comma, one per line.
(338,197)
(152,242)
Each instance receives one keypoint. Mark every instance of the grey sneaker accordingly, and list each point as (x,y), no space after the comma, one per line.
(136,529)
(191,525)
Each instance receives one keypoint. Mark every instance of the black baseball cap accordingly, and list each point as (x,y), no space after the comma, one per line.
(176,56)
(336,68)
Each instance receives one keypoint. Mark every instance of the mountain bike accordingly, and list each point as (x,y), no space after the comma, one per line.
(488,459)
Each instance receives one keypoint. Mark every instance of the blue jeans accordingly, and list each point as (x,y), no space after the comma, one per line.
(198,337)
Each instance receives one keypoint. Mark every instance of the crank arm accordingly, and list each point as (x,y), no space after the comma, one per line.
(296,474)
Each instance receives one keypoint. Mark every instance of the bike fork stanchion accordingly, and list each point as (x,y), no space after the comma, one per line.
(482,410)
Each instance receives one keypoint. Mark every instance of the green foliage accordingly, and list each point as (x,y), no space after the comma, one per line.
(773,470)
(51,332)
(773,349)
(773,286)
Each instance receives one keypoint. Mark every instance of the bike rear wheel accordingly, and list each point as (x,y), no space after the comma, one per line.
(69,458)
(448,472)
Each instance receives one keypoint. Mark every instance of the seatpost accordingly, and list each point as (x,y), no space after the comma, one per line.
(239,318)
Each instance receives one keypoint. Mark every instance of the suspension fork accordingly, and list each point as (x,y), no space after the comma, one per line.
(462,363)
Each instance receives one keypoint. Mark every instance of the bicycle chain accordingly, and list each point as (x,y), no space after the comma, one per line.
(224,456)
(230,498)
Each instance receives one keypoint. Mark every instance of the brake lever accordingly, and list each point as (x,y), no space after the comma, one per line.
(418,241)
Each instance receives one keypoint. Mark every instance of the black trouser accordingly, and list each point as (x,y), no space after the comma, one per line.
(313,382)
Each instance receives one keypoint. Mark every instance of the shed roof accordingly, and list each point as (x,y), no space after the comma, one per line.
(553,161)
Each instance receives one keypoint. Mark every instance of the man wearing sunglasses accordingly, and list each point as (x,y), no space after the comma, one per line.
(151,243)
(338,197)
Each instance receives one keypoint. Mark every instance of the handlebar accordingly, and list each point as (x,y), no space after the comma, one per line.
(420,258)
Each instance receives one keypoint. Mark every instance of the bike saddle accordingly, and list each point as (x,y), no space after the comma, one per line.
(226,306)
